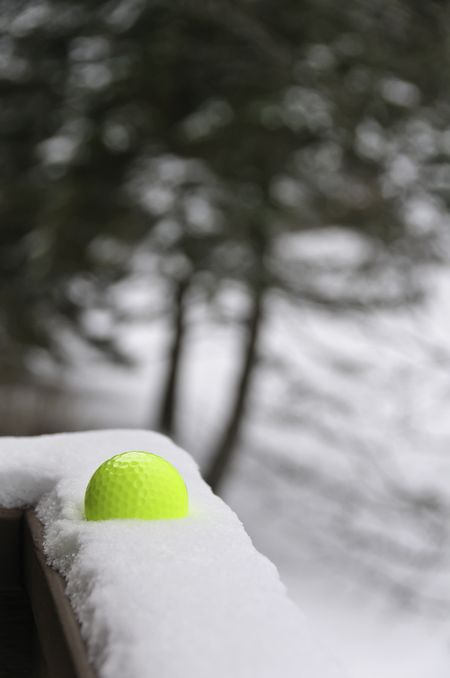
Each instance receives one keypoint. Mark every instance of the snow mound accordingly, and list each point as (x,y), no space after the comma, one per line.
(174,599)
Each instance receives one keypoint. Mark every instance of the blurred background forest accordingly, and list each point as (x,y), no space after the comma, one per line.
(228,221)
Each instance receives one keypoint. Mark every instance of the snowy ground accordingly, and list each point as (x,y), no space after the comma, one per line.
(374,640)
(376,634)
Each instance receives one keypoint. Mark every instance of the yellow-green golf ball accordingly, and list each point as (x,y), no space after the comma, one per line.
(136,485)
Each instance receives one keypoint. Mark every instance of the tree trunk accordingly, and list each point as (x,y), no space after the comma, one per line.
(165,421)
(226,447)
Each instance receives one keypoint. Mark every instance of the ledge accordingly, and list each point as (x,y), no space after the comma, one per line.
(189,597)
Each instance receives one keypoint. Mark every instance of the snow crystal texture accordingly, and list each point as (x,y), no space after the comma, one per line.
(185,598)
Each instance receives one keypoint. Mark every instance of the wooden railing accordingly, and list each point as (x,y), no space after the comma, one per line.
(39,634)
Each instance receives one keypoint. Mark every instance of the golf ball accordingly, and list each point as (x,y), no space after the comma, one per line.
(136,485)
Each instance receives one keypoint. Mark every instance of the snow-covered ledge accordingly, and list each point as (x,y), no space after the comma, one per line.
(187,598)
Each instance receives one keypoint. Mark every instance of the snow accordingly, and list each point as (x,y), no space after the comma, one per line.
(189,597)
(357,405)
(375,640)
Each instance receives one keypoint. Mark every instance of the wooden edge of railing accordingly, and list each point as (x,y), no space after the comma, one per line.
(11,565)
(61,648)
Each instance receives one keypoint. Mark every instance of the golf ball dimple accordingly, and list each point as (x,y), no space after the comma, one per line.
(136,485)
